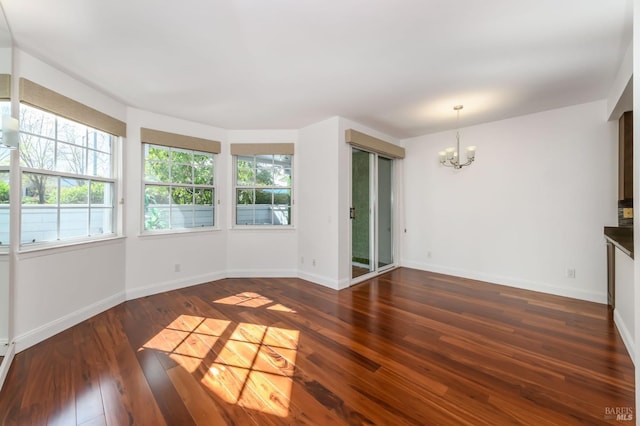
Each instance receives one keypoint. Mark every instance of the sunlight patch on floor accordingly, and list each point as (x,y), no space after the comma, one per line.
(253,368)
(253,300)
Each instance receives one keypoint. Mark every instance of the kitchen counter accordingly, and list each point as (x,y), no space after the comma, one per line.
(621,237)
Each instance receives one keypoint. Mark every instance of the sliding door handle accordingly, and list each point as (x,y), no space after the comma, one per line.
(352,213)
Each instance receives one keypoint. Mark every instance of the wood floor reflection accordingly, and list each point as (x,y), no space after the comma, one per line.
(408,347)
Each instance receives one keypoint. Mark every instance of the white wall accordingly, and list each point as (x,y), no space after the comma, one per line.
(318,178)
(532,205)
(55,288)
(261,252)
(151,259)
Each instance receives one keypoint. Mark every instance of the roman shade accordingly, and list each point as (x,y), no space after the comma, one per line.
(262,148)
(38,96)
(5,87)
(174,140)
(369,143)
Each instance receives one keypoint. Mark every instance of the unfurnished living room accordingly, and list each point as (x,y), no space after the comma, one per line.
(236,212)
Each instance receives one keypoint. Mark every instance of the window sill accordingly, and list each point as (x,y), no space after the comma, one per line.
(177,232)
(262,228)
(47,248)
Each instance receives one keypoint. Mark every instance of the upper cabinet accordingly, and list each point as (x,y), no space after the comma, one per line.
(625,152)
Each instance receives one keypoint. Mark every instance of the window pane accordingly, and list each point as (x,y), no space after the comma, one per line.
(203,196)
(181,173)
(282,196)
(99,141)
(36,153)
(181,156)
(36,121)
(39,189)
(69,131)
(156,171)
(181,216)
(203,216)
(101,221)
(4,187)
(264,170)
(5,155)
(181,195)
(264,196)
(74,222)
(38,223)
(203,169)
(71,159)
(281,215)
(282,176)
(157,153)
(245,196)
(156,212)
(264,176)
(246,175)
(74,191)
(156,194)
(246,161)
(4,208)
(244,214)
(101,194)
(203,159)
(264,161)
(99,164)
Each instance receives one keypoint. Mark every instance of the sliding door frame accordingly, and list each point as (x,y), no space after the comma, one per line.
(374,237)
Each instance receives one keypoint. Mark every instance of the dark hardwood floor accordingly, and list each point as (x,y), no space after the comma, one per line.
(409,347)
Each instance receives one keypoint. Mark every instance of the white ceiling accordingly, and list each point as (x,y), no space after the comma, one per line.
(396,65)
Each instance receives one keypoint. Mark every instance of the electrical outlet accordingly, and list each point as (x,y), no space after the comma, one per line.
(302,260)
(571,273)
(428,255)
(314,262)
(176,267)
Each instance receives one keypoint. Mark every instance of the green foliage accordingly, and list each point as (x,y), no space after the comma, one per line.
(152,215)
(168,165)
(4,193)
(79,194)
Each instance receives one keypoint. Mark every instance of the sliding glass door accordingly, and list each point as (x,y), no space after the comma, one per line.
(371,213)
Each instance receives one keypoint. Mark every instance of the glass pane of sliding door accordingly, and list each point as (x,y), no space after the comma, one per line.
(371,213)
(361,217)
(385,212)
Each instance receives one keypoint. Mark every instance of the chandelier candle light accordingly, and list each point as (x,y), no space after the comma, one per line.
(450,157)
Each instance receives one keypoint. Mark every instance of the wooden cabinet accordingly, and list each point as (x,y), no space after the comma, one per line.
(625,153)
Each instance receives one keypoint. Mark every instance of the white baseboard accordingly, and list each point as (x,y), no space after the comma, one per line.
(136,292)
(4,346)
(627,338)
(52,328)
(574,293)
(261,273)
(319,279)
(6,362)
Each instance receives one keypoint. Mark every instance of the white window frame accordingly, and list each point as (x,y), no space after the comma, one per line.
(236,187)
(213,187)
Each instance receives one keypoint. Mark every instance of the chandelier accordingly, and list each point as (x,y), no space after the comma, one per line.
(450,157)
